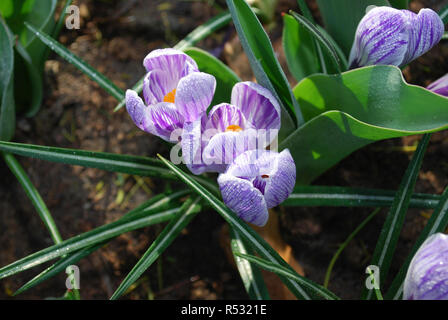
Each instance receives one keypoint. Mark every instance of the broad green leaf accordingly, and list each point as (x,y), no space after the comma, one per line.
(390,232)
(7,104)
(165,238)
(34,196)
(247,234)
(93,74)
(39,13)
(318,290)
(299,47)
(324,196)
(437,223)
(341,18)
(399,4)
(264,63)
(345,113)
(225,77)
(28,78)
(140,219)
(321,39)
(159,202)
(201,32)
(135,165)
(252,278)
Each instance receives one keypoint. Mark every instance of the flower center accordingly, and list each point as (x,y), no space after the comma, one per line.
(265,176)
(234,128)
(170,96)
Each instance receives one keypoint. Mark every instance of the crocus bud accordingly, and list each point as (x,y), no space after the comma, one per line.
(427,276)
(440,86)
(390,36)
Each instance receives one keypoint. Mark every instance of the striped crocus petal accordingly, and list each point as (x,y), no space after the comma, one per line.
(225,117)
(156,85)
(258,105)
(194,94)
(138,111)
(244,199)
(381,38)
(165,119)
(440,86)
(253,173)
(425,31)
(175,63)
(427,276)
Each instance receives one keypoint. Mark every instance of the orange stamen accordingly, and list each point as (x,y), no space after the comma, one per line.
(234,128)
(265,176)
(170,96)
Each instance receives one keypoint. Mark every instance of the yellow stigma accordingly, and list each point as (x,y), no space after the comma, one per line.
(170,96)
(234,128)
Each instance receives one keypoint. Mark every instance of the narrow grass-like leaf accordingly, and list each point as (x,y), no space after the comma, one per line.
(284,272)
(7,104)
(250,275)
(437,223)
(34,196)
(89,238)
(344,245)
(93,74)
(248,235)
(159,202)
(320,37)
(324,196)
(399,4)
(201,32)
(264,63)
(387,241)
(141,166)
(187,212)
(443,14)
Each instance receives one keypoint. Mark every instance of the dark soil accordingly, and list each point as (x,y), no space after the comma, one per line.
(114,37)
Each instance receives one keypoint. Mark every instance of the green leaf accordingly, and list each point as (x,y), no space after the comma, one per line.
(326,44)
(159,202)
(141,166)
(324,196)
(139,219)
(93,74)
(34,196)
(443,14)
(264,63)
(345,113)
(318,290)
(7,104)
(399,4)
(390,232)
(251,275)
(225,77)
(166,237)
(201,32)
(247,234)
(299,47)
(341,18)
(28,78)
(437,223)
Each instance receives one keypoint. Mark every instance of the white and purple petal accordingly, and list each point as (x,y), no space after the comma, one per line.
(175,63)
(425,31)
(427,275)
(224,115)
(381,38)
(165,119)
(440,86)
(156,85)
(244,199)
(194,94)
(138,111)
(258,105)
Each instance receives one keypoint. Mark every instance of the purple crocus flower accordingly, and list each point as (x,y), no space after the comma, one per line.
(440,86)
(390,36)
(427,276)
(256,181)
(250,121)
(175,92)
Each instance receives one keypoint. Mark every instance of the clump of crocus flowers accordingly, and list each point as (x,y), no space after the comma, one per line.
(230,139)
(427,276)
